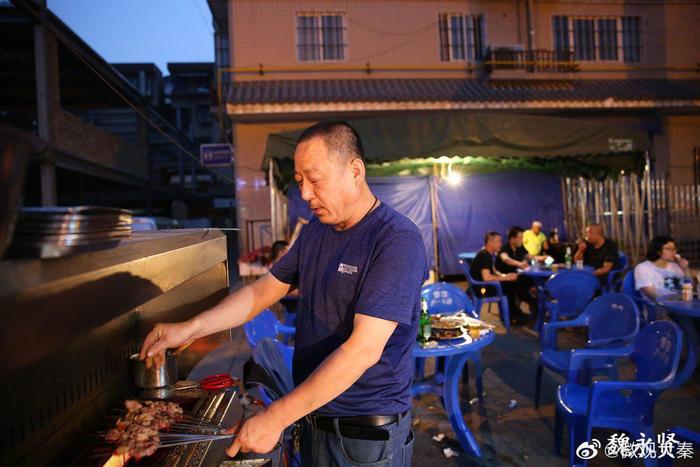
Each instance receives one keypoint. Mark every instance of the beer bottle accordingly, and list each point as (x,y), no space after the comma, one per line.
(567,258)
(424,329)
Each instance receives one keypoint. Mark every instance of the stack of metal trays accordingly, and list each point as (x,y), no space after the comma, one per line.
(54,232)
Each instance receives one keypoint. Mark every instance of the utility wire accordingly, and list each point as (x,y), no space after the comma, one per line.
(203,16)
(148,119)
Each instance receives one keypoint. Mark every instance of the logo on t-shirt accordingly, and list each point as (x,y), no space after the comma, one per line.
(347,269)
(672,283)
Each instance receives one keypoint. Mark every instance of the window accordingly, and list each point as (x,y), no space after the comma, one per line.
(584,39)
(202,114)
(320,37)
(632,39)
(560,29)
(462,37)
(607,34)
(599,38)
(184,120)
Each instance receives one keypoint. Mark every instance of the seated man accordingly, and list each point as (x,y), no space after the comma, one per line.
(596,251)
(663,271)
(483,269)
(512,256)
(535,240)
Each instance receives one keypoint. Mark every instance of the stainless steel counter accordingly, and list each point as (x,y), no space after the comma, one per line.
(68,325)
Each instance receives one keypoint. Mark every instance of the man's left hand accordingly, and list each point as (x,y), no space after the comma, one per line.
(259,434)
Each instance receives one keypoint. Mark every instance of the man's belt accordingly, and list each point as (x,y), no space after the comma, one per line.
(368,427)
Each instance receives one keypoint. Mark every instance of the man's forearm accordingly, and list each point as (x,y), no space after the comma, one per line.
(239,307)
(334,376)
(511,262)
(233,311)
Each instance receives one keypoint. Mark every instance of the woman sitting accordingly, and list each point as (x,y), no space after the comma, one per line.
(664,270)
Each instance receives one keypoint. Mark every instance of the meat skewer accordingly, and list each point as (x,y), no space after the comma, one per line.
(137,434)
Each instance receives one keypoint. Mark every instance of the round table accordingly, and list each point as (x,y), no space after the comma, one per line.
(457,353)
(685,311)
(467,255)
(541,274)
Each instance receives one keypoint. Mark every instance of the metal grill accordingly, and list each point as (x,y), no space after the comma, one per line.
(40,412)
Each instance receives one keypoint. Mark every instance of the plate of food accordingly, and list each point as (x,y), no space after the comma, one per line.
(446,322)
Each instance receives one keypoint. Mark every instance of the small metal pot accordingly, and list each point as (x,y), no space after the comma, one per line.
(147,378)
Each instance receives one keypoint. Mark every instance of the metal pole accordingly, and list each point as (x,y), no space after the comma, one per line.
(47,102)
(433,211)
(273,211)
(530,28)
(647,181)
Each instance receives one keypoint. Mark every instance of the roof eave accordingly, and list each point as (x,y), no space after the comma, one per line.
(292,108)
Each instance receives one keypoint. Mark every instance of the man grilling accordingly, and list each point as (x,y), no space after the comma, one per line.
(359,266)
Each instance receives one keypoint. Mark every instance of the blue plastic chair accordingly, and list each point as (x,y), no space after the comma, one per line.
(612,321)
(265,325)
(619,405)
(276,359)
(448,298)
(565,295)
(499,298)
(647,307)
(614,279)
(682,435)
(291,304)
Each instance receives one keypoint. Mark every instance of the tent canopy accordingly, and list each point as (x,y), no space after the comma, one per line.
(488,140)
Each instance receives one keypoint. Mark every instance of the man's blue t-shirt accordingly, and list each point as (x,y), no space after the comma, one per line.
(374,268)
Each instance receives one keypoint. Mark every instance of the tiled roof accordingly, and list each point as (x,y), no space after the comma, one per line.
(459,90)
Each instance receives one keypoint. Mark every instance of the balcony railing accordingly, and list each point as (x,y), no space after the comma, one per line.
(533,61)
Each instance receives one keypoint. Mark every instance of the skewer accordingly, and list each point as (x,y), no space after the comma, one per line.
(188,436)
(191,418)
(190,441)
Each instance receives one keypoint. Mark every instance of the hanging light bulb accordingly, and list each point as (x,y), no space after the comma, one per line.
(454,177)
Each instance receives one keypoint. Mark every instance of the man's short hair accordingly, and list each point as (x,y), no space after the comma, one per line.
(656,245)
(490,235)
(514,231)
(534,223)
(342,141)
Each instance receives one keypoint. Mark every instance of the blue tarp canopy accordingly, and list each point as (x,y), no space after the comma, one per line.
(490,141)
(512,166)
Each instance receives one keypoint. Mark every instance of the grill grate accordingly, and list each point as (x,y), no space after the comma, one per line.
(45,415)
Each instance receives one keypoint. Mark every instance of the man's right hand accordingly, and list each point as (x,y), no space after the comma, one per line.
(166,336)
(510,277)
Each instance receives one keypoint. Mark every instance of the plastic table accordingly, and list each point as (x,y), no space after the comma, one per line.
(685,311)
(457,353)
(467,255)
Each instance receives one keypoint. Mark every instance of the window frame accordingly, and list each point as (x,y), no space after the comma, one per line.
(473,47)
(319,31)
(621,47)
(200,111)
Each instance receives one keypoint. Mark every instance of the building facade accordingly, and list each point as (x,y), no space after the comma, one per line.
(629,63)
